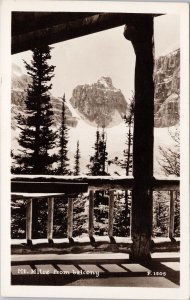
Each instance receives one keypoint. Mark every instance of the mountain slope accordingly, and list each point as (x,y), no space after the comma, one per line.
(18,95)
(99,104)
(167,89)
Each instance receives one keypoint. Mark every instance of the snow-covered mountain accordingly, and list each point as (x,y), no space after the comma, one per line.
(99,104)
(19,86)
(102,104)
(167,89)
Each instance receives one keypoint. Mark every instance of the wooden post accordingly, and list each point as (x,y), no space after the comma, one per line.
(29,221)
(111,211)
(70,218)
(141,36)
(171,221)
(91,214)
(50,219)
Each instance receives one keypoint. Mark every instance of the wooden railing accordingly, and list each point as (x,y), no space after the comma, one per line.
(50,187)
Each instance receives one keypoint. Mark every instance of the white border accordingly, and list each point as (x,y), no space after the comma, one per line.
(181,9)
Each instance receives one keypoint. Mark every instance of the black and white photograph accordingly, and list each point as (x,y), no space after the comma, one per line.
(97,173)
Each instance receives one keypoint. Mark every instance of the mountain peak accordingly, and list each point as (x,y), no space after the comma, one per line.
(99,104)
(105,82)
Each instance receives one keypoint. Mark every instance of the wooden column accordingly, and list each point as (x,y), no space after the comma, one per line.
(171,221)
(50,219)
(91,214)
(141,36)
(70,218)
(111,211)
(29,221)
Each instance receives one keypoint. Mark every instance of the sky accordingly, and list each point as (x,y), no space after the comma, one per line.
(84,60)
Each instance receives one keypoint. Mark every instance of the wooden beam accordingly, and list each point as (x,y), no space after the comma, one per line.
(41,20)
(46,187)
(141,37)
(50,219)
(111,213)
(49,32)
(172,211)
(34,183)
(91,214)
(70,218)
(123,245)
(29,221)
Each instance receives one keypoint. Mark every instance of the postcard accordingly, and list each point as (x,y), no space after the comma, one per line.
(94,149)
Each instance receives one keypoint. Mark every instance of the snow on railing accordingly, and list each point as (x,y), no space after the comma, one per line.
(49,187)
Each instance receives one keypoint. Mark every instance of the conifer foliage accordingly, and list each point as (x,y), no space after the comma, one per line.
(98,161)
(128,155)
(62,144)
(37,137)
(77,161)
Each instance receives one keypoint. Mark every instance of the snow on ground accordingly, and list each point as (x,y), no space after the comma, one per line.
(116,137)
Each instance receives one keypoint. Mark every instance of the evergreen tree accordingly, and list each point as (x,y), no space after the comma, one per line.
(77,161)
(102,154)
(160,213)
(122,219)
(37,137)
(128,155)
(62,154)
(98,161)
(94,165)
(97,167)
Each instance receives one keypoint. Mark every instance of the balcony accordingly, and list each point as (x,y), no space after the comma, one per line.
(118,260)
(92,249)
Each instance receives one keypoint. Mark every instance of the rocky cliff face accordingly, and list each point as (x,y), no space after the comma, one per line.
(100,104)
(103,105)
(167,89)
(18,94)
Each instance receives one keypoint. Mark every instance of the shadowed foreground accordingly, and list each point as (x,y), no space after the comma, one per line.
(95,270)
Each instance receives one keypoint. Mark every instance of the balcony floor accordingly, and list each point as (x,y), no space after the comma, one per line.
(88,269)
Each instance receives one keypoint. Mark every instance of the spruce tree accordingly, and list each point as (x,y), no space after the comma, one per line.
(37,137)
(97,167)
(103,154)
(122,220)
(98,161)
(62,144)
(77,161)
(127,164)
(128,155)
(94,165)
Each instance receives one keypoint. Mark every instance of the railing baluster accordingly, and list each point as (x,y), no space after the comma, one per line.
(70,218)
(130,214)
(50,219)
(111,211)
(91,214)
(171,222)
(29,221)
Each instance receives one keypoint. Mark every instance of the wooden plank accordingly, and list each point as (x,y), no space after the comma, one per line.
(111,212)
(48,32)
(42,248)
(29,221)
(91,214)
(165,184)
(91,182)
(171,220)
(50,219)
(46,187)
(70,218)
(41,20)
